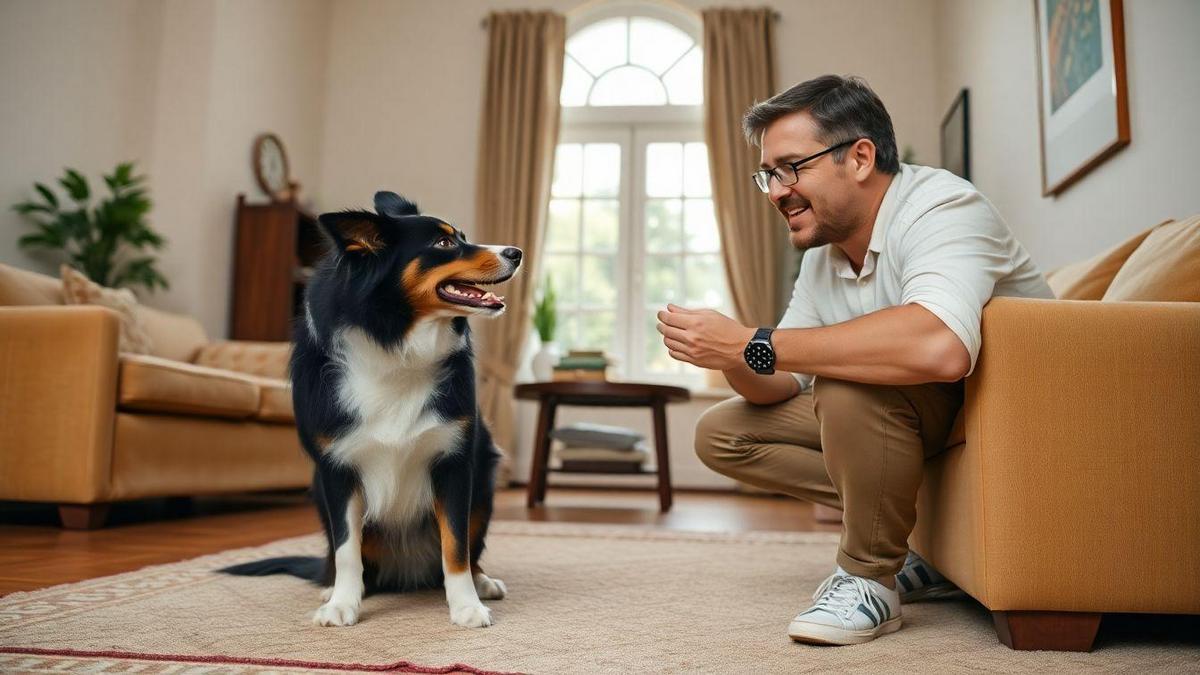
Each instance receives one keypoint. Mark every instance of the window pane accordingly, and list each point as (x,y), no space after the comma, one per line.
(657,358)
(598,281)
(662,280)
(562,227)
(664,232)
(700,226)
(664,169)
(565,333)
(656,44)
(628,85)
(600,225)
(685,82)
(601,169)
(576,84)
(696,182)
(601,45)
(563,271)
(705,282)
(568,170)
(596,331)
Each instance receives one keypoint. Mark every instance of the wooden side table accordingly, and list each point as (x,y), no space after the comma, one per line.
(550,395)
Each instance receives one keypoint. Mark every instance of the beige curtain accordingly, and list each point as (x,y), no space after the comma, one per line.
(517,137)
(739,71)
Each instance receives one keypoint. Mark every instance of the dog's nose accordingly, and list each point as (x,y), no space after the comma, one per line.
(512,253)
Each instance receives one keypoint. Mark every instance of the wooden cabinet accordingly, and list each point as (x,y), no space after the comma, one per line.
(275,246)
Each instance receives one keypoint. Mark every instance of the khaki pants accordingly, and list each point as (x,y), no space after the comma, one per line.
(856,447)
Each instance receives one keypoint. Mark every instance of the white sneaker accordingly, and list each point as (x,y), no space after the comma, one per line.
(918,580)
(847,610)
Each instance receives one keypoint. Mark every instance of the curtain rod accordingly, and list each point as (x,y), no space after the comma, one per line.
(775,14)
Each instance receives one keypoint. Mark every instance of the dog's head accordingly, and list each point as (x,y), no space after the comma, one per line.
(389,269)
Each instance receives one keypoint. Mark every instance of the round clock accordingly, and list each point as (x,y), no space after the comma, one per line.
(271,167)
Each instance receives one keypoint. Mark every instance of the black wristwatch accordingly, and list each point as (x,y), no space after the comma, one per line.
(759,353)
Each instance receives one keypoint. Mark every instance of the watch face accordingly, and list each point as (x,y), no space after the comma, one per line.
(760,356)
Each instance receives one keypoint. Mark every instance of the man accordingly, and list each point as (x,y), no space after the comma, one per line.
(862,379)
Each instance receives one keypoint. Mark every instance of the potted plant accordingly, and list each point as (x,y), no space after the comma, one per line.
(107,243)
(545,321)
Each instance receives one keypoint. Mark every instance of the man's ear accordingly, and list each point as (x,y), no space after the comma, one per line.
(393,205)
(353,231)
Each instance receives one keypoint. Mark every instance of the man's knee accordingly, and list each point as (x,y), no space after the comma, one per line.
(845,399)
(716,439)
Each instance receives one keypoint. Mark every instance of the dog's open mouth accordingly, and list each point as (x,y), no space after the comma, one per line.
(462,293)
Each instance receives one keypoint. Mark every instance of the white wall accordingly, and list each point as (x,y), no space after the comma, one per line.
(990,47)
(181,87)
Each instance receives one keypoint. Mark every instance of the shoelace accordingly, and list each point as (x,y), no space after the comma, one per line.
(843,593)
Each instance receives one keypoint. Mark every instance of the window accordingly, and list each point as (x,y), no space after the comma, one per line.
(631,224)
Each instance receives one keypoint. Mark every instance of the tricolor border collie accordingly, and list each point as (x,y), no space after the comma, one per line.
(383,385)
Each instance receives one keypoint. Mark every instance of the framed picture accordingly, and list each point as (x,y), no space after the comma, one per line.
(956,137)
(1083,105)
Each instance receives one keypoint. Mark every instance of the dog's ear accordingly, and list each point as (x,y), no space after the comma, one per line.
(353,231)
(393,205)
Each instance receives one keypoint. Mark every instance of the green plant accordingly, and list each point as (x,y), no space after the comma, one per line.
(545,316)
(107,243)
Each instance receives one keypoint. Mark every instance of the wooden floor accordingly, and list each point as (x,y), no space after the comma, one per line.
(35,552)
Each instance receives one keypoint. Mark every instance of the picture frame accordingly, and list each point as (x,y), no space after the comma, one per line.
(1083,101)
(956,137)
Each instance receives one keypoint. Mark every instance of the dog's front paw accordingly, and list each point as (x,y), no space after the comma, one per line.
(326,594)
(489,588)
(336,614)
(471,616)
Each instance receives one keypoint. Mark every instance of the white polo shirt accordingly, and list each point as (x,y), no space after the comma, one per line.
(937,242)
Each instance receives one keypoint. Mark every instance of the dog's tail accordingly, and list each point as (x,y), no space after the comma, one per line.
(305,567)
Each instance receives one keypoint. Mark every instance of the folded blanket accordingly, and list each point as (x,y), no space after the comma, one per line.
(585,434)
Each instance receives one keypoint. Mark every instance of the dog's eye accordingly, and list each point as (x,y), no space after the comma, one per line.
(444,242)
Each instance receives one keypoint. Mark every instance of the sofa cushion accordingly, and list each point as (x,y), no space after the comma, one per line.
(175,336)
(153,384)
(268,359)
(1165,268)
(274,401)
(77,289)
(1089,279)
(22,287)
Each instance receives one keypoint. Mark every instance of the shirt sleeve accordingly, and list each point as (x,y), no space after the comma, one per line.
(801,313)
(952,256)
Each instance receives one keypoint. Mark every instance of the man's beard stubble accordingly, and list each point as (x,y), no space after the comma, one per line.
(824,232)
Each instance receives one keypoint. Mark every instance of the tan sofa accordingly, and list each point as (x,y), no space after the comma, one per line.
(1077,489)
(82,425)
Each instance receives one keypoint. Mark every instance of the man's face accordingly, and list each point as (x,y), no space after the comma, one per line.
(818,207)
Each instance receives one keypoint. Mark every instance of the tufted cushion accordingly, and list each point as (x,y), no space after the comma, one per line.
(154,384)
(1165,268)
(267,359)
(77,289)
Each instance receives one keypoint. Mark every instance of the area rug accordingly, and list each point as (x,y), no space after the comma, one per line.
(582,598)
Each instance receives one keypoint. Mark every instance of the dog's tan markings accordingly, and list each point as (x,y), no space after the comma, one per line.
(361,235)
(447,229)
(476,528)
(323,442)
(455,555)
(372,547)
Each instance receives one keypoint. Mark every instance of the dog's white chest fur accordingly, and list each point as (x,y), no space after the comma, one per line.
(395,437)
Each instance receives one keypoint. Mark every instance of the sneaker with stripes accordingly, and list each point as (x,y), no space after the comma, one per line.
(847,610)
(918,580)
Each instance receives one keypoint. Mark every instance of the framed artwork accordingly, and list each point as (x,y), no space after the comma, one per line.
(1083,104)
(956,137)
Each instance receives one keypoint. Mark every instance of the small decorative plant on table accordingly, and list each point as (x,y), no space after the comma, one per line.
(545,321)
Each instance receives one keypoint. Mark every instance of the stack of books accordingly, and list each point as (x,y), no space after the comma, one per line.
(582,365)
(598,448)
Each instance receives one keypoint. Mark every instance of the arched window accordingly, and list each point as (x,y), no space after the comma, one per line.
(631,224)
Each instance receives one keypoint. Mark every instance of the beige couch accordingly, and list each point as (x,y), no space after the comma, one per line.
(82,425)
(1076,489)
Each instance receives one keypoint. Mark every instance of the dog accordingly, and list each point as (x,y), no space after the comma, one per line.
(383,387)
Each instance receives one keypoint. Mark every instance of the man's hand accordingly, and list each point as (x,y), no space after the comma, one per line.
(703,337)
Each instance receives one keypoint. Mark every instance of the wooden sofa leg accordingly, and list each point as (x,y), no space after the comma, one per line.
(1058,631)
(83,516)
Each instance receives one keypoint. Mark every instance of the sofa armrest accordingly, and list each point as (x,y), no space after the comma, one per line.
(266,359)
(58,384)
(1083,422)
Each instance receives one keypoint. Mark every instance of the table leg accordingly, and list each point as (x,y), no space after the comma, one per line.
(660,450)
(541,452)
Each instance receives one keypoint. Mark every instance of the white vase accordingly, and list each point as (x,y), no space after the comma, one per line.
(544,360)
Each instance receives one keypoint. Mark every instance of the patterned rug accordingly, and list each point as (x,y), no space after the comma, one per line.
(582,598)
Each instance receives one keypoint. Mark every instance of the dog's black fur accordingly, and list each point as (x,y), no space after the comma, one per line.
(380,297)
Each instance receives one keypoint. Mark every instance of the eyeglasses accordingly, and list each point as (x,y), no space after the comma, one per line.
(786,173)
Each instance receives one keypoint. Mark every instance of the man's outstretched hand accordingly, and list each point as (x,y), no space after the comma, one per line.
(703,337)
